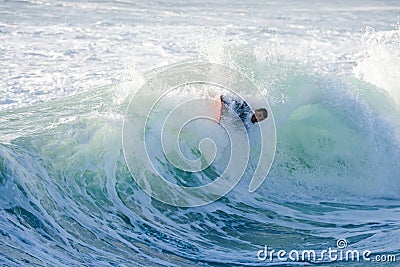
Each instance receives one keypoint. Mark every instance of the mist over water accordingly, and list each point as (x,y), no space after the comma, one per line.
(330,74)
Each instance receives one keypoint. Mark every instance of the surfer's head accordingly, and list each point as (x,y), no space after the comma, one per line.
(259,115)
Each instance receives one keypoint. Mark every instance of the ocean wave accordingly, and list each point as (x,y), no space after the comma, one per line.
(68,198)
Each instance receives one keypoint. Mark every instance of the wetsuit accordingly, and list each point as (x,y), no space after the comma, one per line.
(240,107)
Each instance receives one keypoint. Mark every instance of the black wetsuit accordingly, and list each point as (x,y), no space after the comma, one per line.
(240,107)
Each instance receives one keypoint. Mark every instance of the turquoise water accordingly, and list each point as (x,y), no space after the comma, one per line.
(67,197)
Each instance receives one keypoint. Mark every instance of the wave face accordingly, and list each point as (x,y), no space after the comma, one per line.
(67,197)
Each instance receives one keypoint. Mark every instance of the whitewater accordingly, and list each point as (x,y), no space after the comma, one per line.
(69,70)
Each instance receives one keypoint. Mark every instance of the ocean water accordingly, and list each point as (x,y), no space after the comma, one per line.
(330,72)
